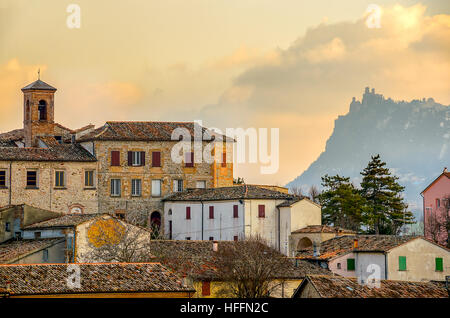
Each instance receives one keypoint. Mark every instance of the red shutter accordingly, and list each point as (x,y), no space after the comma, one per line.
(156,159)
(235,211)
(206,288)
(188,213)
(189,159)
(261,211)
(224,159)
(115,158)
(130,158)
(211,212)
(142,158)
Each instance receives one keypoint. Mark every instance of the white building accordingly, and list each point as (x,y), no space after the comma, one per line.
(232,213)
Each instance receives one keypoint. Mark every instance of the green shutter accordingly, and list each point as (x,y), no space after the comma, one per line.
(402,263)
(350,264)
(439,264)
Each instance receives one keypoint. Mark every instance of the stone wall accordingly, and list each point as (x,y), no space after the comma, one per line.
(169,171)
(46,196)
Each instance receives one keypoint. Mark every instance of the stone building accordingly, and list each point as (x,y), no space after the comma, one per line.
(136,169)
(121,168)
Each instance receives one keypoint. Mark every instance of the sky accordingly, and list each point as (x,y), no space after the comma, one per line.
(293,65)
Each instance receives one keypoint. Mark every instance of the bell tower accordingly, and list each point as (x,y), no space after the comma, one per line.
(38,110)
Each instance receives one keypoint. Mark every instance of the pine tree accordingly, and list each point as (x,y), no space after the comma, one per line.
(341,202)
(385,211)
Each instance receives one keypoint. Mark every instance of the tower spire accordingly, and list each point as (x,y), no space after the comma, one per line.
(39,74)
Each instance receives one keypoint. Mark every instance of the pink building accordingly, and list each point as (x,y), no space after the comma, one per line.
(436,208)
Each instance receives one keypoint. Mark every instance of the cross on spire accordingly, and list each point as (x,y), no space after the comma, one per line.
(39,74)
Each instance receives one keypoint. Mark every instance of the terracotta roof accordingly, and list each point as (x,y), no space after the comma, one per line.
(13,250)
(55,152)
(227,193)
(141,131)
(197,259)
(322,229)
(13,135)
(342,245)
(67,220)
(345,287)
(95,278)
(39,85)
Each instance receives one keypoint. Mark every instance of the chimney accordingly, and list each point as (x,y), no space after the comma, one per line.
(316,250)
(445,170)
(215,246)
(355,243)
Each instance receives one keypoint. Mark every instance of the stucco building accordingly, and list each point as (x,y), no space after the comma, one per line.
(234,213)
(436,208)
(408,258)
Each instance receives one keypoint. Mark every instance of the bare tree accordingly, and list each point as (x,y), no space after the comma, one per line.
(249,267)
(314,194)
(118,241)
(437,224)
(297,190)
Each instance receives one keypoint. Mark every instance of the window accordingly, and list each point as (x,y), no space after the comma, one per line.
(42,109)
(235,238)
(32,178)
(438,203)
(439,264)
(156,188)
(224,159)
(37,235)
(7,227)
(201,184)
(189,159)
(206,288)
(59,179)
(338,265)
(45,256)
(115,187)
(136,187)
(402,263)
(261,211)
(188,213)
(188,238)
(115,158)
(156,159)
(59,139)
(350,264)
(235,211)
(211,212)
(120,215)
(211,238)
(136,158)
(2,178)
(177,185)
(89,178)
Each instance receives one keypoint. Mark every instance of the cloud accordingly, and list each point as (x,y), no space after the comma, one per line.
(14,75)
(314,79)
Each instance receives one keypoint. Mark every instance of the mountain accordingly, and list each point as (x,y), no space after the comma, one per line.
(413,138)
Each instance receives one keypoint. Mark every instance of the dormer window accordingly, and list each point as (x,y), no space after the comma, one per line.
(42,108)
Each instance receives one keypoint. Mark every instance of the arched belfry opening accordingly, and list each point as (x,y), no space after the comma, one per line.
(42,109)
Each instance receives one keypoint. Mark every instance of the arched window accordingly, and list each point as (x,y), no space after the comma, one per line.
(304,243)
(155,224)
(170,212)
(42,108)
